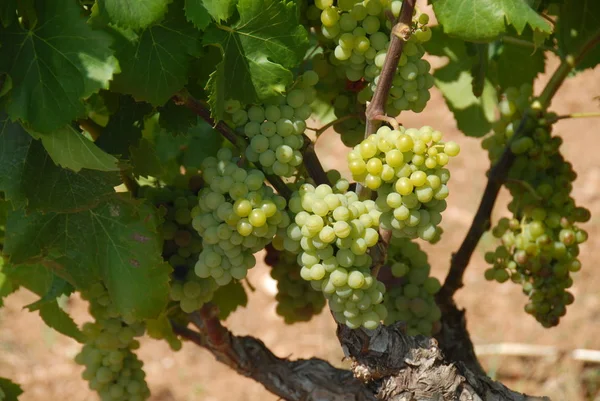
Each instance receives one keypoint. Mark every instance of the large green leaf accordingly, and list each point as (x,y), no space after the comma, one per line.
(516,65)
(48,286)
(124,128)
(116,243)
(156,64)
(258,51)
(133,14)
(8,12)
(473,115)
(30,177)
(578,22)
(10,390)
(485,20)
(70,149)
(54,65)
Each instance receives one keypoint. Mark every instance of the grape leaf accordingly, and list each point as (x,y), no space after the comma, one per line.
(31,178)
(258,52)
(116,243)
(230,297)
(124,128)
(7,287)
(473,115)
(54,65)
(197,14)
(8,12)
(220,10)
(133,14)
(578,22)
(176,119)
(155,64)
(485,20)
(48,286)
(70,149)
(11,390)
(516,65)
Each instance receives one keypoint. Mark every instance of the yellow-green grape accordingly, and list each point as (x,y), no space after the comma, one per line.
(413,300)
(332,233)
(275,129)
(237,216)
(540,242)
(358,34)
(407,169)
(111,367)
(296,300)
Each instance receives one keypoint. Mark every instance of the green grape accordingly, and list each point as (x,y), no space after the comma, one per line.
(107,353)
(407,199)
(245,222)
(334,230)
(540,243)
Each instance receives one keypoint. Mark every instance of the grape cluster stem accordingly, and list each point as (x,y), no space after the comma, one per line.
(375,110)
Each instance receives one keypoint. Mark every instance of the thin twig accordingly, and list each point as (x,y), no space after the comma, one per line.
(203,111)
(528,44)
(578,115)
(330,124)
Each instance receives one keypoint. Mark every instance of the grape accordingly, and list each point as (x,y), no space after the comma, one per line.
(107,353)
(540,243)
(406,195)
(412,298)
(242,225)
(356,41)
(334,230)
(279,124)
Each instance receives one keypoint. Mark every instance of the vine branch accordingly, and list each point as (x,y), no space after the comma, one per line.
(400,32)
(202,110)
(312,163)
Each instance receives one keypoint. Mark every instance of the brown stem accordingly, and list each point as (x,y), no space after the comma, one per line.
(313,164)
(203,111)
(91,127)
(400,32)
(330,124)
(299,380)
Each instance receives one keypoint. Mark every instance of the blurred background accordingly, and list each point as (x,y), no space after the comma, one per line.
(41,360)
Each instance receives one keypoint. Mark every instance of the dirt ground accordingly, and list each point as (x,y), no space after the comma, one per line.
(41,360)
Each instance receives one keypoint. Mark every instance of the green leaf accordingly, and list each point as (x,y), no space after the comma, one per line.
(32,179)
(7,287)
(9,390)
(176,119)
(54,65)
(156,64)
(578,22)
(116,243)
(220,10)
(124,128)
(229,298)
(133,14)
(258,52)
(516,65)
(48,286)
(197,14)
(8,12)
(473,115)
(70,149)
(485,20)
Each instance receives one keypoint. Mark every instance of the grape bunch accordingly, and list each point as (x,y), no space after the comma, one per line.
(296,300)
(335,231)
(360,33)
(275,129)
(411,298)
(237,216)
(182,245)
(540,242)
(111,367)
(406,167)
